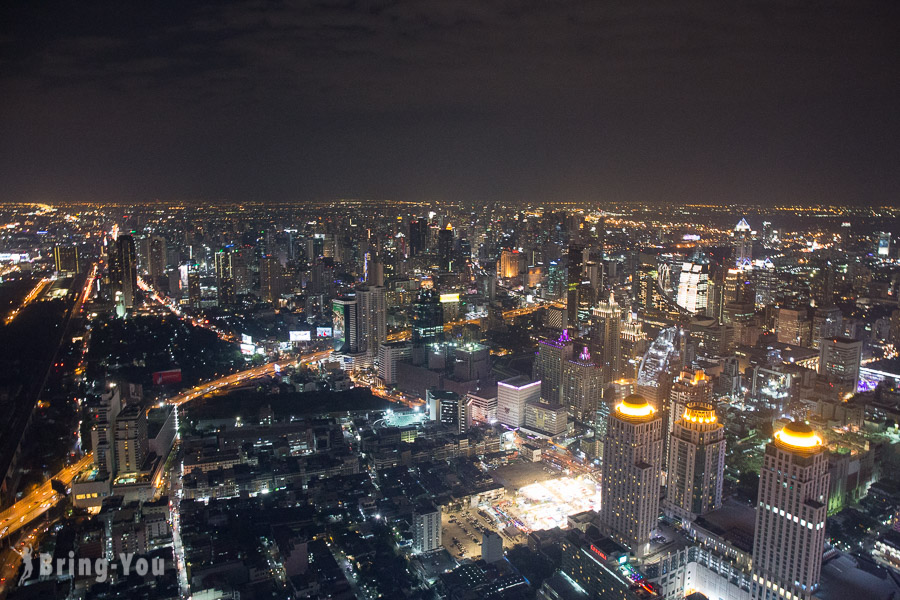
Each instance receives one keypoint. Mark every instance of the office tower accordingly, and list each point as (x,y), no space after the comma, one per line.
(606,341)
(123,269)
(512,264)
(240,271)
(658,367)
(65,259)
(790,516)
(632,463)
(828,322)
(737,287)
(545,418)
(839,360)
(633,344)
(426,528)
(792,326)
(491,546)
(548,365)
(418,236)
(446,407)
(555,281)
(271,279)
(445,249)
(574,273)
(102,432)
(689,386)
(471,362)
(193,288)
(582,387)
(512,396)
(482,406)
(883,244)
(389,354)
(743,244)
(696,462)
(131,439)
(693,287)
(156,260)
(427,318)
(225,285)
(765,284)
(372,317)
(345,325)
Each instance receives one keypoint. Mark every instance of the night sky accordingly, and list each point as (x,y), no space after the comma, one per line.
(663,101)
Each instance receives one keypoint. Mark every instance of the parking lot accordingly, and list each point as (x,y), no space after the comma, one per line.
(461,533)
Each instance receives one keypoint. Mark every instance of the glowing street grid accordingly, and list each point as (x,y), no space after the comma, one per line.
(547,504)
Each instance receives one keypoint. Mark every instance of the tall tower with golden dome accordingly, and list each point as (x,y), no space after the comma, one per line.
(790,515)
(696,462)
(632,464)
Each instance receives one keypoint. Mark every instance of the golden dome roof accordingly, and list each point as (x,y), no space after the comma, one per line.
(797,437)
(634,406)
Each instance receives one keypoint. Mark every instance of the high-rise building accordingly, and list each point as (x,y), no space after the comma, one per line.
(445,249)
(418,236)
(271,279)
(828,322)
(789,538)
(65,259)
(193,288)
(632,464)
(792,325)
(123,269)
(633,345)
(512,264)
(743,244)
(448,408)
(103,432)
(548,419)
(548,365)
(426,528)
(582,387)
(389,353)
(594,566)
(345,325)
(512,396)
(883,244)
(157,259)
(689,386)
(696,462)
(839,360)
(693,287)
(482,406)
(574,277)
(606,340)
(131,439)
(427,318)
(225,284)
(372,317)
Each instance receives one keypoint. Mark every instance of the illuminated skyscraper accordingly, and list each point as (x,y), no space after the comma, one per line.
(345,325)
(743,244)
(790,516)
(271,279)
(693,287)
(65,259)
(372,317)
(574,273)
(224,278)
(548,366)
(123,269)
(839,360)
(632,463)
(512,396)
(445,249)
(606,337)
(696,462)
(582,388)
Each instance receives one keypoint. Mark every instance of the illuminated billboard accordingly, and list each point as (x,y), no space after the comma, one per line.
(323,332)
(300,336)
(246,339)
(338,324)
(449,297)
(248,349)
